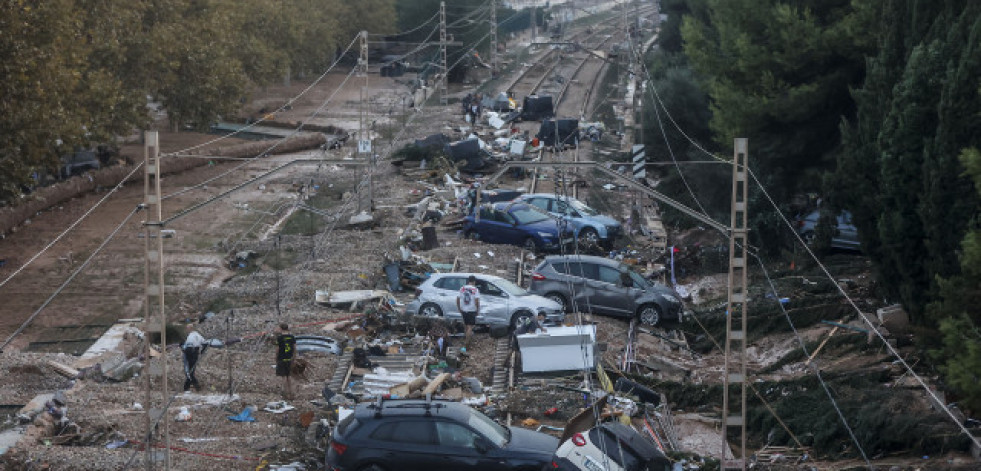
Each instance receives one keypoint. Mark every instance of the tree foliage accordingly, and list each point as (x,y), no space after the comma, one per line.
(778,72)
(77,73)
(899,170)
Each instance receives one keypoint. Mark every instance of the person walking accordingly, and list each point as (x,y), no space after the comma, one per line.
(285,351)
(192,348)
(468,303)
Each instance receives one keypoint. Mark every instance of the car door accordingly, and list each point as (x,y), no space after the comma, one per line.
(493,304)
(446,290)
(457,450)
(586,295)
(616,298)
(508,231)
(566,213)
(486,229)
(408,444)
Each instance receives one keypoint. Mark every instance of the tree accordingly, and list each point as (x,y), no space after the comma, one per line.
(778,72)
(899,170)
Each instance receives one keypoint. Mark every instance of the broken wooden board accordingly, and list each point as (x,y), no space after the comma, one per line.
(435,384)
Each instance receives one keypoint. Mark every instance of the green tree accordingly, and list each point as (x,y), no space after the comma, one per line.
(960,352)
(778,72)
(899,170)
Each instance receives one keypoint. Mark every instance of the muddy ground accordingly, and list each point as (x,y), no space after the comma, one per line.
(323,252)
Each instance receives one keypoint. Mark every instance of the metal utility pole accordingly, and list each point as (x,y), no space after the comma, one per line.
(733,411)
(364,140)
(154,292)
(493,6)
(534,20)
(442,52)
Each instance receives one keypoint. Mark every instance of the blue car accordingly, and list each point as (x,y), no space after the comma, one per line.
(591,228)
(516,224)
(845,233)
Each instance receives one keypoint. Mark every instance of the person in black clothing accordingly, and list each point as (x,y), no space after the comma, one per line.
(285,351)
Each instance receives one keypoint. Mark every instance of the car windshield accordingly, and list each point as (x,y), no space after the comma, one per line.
(525,215)
(582,208)
(510,288)
(489,429)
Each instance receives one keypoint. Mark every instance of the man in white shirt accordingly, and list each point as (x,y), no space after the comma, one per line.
(193,347)
(468,303)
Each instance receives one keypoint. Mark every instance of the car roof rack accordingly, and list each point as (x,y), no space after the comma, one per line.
(380,404)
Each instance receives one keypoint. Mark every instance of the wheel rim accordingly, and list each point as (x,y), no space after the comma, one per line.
(588,238)
(650,315)
(530,245)
(559,299)
(809,237)
(518,319)
(431,310)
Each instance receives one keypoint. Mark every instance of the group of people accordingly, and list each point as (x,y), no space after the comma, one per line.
(195,345)
(467,302)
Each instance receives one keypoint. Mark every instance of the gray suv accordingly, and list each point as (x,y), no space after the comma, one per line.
(603,286)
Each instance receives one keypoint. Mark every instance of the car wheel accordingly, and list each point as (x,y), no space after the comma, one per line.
(559,298)
(649,314)
(519,318)
(471,235)
(808,237)
(430,310)
(530,245)
(588,238)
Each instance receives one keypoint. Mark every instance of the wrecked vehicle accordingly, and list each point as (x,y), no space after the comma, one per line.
(421,435)
(468,155)
(603,286)
(501,301)
(537,107)
(609,446)
(517,224)
(592,229)
(559,133)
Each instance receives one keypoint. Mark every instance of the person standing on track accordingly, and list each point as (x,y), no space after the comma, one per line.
(192,348)
(468,303)
(285,351)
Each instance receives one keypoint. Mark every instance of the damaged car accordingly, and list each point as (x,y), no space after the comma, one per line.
(517,224)
(600,285)
(610,446)
(501,301)
(422,435)
(592,229)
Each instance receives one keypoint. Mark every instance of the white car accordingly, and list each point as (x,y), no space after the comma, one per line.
(501,301)
(610,446)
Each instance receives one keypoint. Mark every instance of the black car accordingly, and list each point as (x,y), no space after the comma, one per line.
(421,435)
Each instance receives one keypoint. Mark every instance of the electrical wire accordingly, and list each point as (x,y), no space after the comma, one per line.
(403,33)
(69,280)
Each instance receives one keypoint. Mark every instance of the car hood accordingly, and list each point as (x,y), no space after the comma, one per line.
(528,441)
(601,219)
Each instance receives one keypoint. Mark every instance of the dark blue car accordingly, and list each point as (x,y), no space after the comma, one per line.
(517,224)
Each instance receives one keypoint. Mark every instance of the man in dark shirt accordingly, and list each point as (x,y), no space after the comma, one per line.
(285,350)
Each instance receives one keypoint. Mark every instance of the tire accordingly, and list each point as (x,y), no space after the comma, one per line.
(650,314)
(808,237)
(588,238)
(471,235)
(530,245)
(519,315)
(559,298)
(431,310)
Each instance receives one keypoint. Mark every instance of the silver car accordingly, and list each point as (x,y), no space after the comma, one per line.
(604,286)
(501,301)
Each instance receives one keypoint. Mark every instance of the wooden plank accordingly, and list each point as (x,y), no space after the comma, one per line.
(435,384)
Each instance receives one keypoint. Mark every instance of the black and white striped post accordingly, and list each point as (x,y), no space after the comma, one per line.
(640,161)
